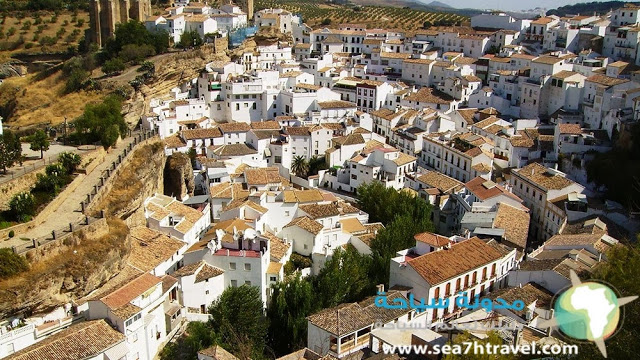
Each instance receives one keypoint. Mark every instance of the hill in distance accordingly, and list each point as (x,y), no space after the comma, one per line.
(438,4)
(588,8)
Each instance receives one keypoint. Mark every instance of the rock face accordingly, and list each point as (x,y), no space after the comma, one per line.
(67,269)
(12,68)
(178,176)
(137,178)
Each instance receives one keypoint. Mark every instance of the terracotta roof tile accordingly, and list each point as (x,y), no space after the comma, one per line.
(515,223)
(130,291)
(432,239)
(84,340)
(439,266)
(440,181)
(306,223)
(541,176)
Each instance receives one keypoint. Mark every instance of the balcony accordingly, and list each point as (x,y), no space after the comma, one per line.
(51,326)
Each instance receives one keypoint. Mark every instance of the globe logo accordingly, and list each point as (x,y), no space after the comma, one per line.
(587,311)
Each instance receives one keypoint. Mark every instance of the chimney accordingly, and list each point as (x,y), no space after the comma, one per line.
(380,288)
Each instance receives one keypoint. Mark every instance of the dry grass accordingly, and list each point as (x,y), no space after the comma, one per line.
(75,262)
(47,28)
(36,102)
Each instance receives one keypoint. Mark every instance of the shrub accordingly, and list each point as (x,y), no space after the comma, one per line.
(300,262)
(326,21)
(113,66)
(76,81)
(11,263)
(26,25)
(69,161)
(80,22)
(11,31)
(136,53)
(22,206)
(48,40)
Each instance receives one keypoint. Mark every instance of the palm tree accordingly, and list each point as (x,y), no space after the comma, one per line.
(299,166)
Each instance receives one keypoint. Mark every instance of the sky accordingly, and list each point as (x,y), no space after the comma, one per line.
(508,4)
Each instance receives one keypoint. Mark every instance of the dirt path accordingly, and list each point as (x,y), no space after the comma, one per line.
(69,210)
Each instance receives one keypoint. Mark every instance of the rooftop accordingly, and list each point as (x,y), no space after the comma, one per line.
(439,266)
(84,340)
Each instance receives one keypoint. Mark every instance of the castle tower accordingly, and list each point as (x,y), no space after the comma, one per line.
(104,15)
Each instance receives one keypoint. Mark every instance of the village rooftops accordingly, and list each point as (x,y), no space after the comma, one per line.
(347,318)
(515,222)
(262,176)
(440,181)
(486,189)
(528,293)
(439,266)
(336,104)
(543,177)
(606,81)
(119,301)
(316,211)
(85,340)
(306,223)
(232,150)
(216,352)
(432,239)
(150,248)
(429,95)
(302,196)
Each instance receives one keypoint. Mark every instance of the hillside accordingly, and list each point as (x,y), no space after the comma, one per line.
(399,17)
(588,8)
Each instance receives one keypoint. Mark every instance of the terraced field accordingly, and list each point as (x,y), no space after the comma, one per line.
(314,13)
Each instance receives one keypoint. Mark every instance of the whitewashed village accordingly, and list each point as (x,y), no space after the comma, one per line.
(491,125)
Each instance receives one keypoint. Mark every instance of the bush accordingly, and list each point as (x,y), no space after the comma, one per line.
(113,66)
(76,81)
(22,206)
(80,22)
(11,263)
(136,53)
(26,25)
(326,21)
(48,40)
(69,161)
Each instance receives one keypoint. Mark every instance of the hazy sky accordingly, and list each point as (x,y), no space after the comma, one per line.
(507,4)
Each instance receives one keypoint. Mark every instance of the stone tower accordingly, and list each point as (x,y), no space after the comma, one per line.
(105,14)
(247,7)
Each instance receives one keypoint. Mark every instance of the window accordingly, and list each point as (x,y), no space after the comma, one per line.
(247,267)
(447,291)
(232,266)
(247,283)
(234,283)
(436,293)
(475,277)
(484,273)
(273,278)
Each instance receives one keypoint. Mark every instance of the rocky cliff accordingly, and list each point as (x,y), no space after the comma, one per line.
(137,178)
(67,269)
(178,176)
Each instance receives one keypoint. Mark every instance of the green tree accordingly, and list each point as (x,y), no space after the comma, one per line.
(70,161)
(493,338)
(22,206)
(326,21)
(402,214)
(10,150)
(11,263)
(102,122)
(190,39)
(291,302)
(136,34)
(113,66)
(76,80)
(344,277)
(196,337)
(300,166)
(427,24)
(39,142)
(238,319)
